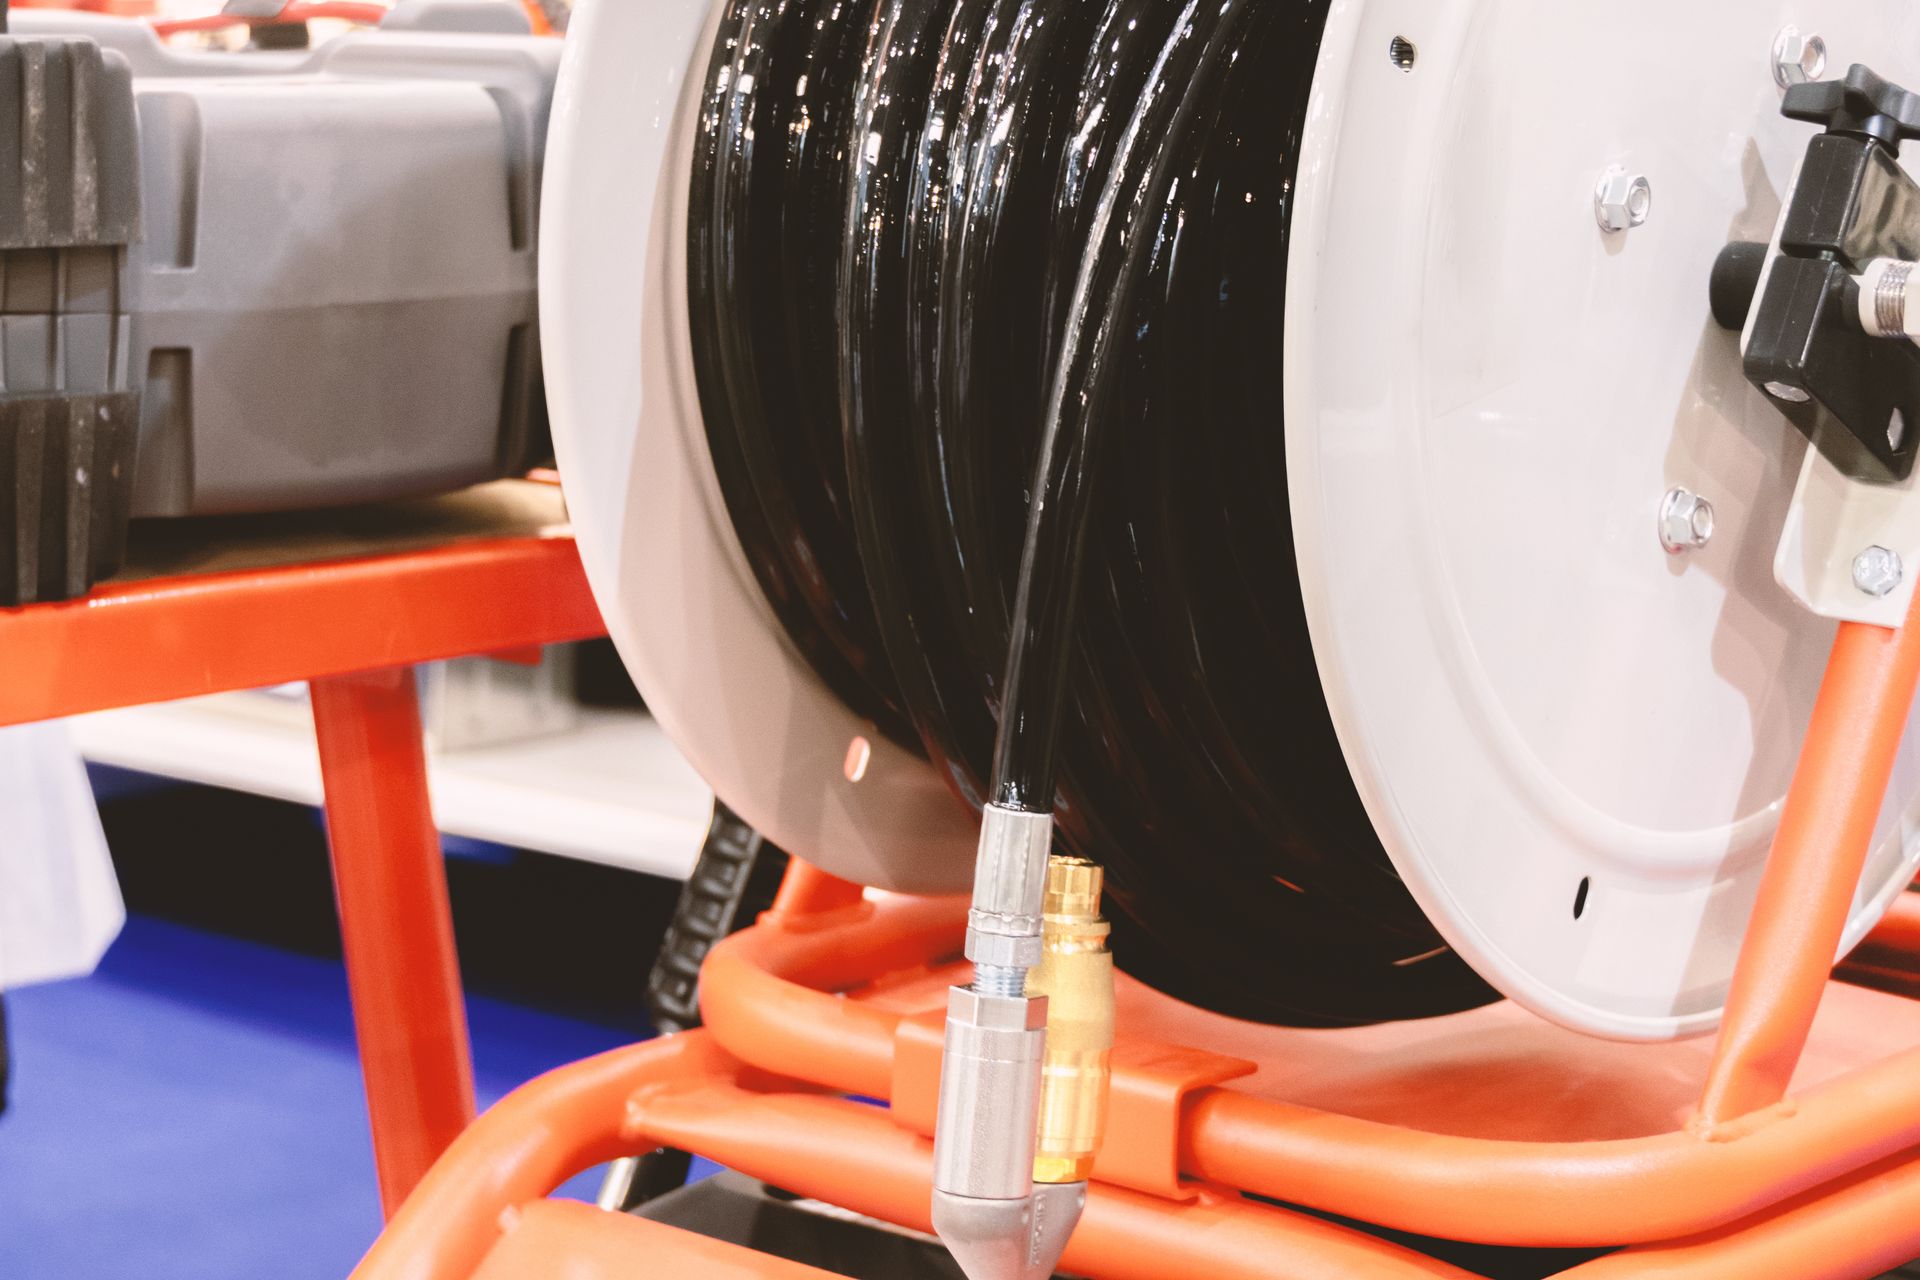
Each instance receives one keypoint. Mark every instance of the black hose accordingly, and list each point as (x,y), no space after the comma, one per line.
(988,306)
(1040,648)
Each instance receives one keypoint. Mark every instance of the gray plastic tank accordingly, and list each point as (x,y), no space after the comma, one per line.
(331,290)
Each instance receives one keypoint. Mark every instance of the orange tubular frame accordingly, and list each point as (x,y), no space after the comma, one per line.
(1807,889)
(396,922)
(834,993)
(353,628)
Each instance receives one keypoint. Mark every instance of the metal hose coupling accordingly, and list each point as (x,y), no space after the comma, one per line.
(1075,975)
(1889,299)
(986,1209)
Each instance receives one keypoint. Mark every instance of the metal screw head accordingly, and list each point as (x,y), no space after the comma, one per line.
(1798,57)
(1686,521)
(1621,200)
(1877,571)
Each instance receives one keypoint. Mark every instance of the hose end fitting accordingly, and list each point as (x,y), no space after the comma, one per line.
(1888,304)
(1003,924)
(1075,974)
(983,1138)
(984,1204)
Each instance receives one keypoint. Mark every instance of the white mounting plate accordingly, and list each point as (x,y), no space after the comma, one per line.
(1831,520)
(1487,398)
(673,584)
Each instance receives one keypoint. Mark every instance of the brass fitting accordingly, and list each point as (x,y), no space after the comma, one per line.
(1075,973)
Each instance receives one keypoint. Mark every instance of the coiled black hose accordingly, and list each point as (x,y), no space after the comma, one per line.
(948,258)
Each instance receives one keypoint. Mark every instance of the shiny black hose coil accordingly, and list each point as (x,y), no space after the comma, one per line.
(955,262)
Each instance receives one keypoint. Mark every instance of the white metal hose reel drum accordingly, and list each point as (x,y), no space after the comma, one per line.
(1569,708)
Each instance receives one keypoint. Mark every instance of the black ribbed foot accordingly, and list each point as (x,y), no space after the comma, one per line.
(66,481)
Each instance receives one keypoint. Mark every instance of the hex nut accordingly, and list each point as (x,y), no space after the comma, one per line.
(1798,57)
(1621,200)
(1686,521)
(1877,571)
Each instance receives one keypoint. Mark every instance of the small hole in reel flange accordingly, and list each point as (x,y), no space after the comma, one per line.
(1402,53)
(1580,896)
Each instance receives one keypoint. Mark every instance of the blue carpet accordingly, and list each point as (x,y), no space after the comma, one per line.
(193,1111)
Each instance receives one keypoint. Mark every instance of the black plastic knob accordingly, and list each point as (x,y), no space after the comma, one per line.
(1862,104)
(1736,275)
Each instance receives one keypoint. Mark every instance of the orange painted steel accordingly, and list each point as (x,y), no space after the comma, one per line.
(396,925)
(354,626)
(854,1156)
(767,997)
(806,890)
(1800,1184)
(525,1145)
(1862,1226)
(764,989)
(618,1246)
(685,1092)
(1807,889)
(838,992)
(165,638)
(1555,1194)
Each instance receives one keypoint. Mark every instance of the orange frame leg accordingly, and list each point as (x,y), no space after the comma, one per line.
(1806,892)
(396,924)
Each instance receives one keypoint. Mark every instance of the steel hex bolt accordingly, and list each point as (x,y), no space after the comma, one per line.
(1877,571)
(1621,200)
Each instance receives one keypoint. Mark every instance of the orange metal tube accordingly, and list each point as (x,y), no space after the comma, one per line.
(1552,1194)
(1861,1227)
(567,1240)
(763,990)
(158,639)
(526,1144)
(683,1092)
(854,1156)
(396,925)
(1727,1194)
(806,890)
(1807,889)
(761,1007)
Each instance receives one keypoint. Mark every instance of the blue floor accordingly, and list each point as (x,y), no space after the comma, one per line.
(193,1111)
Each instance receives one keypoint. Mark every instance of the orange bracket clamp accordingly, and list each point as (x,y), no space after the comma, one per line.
(1146,1102)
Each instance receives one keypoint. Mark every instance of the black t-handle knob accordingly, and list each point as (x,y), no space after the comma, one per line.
(1862,104)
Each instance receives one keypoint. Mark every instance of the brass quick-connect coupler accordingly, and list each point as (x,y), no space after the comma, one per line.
(1075,975)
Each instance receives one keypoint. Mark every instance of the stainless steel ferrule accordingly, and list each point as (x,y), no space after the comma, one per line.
(984,1134)
(1009,884)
